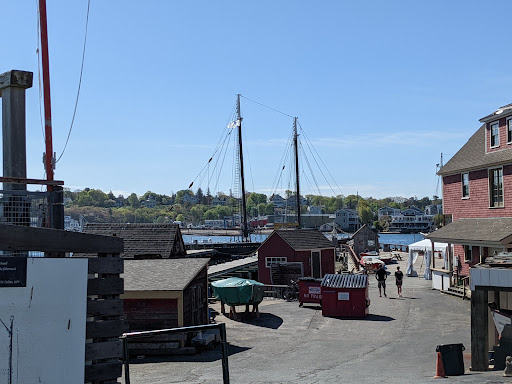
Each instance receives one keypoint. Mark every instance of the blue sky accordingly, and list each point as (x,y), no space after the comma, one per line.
(380,88)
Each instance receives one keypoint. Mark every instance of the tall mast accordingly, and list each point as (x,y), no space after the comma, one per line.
(48,158)
(245,230)
(297,189)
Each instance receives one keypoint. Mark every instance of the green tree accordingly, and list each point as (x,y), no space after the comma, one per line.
(133,200)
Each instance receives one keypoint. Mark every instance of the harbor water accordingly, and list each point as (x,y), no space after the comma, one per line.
(384,238)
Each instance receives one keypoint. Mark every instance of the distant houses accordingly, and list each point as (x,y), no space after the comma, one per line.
(347,219)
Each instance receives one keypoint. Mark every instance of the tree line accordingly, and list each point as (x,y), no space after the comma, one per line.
(186,206)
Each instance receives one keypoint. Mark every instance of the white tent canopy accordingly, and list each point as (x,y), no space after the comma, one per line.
(425,246)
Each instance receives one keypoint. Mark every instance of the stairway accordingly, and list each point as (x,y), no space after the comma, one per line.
(458,292)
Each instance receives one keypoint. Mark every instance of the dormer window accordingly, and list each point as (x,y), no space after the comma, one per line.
(495,134)
(509,130)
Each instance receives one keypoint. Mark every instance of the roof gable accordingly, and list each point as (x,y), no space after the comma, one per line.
(472,156)
(144,240)
(303,239)
(161,274)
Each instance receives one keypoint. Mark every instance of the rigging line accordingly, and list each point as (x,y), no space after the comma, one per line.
(266,106)
(79,82)
(282,163)
(219,169)
(312,174)
(307,181)
(320,169)
(307,139)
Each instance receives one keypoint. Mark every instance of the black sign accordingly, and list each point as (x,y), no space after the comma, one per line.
(13,271)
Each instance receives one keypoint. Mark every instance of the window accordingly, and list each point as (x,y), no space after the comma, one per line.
(509,130)
(495,134)
(468,254)
(496,187)
(465,185)
(274,260)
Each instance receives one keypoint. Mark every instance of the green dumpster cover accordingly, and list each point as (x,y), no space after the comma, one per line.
(236,291)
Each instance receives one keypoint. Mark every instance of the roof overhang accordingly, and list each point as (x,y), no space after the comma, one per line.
(490,232)
(500,113)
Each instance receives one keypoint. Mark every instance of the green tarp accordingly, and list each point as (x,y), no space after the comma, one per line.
(236,291)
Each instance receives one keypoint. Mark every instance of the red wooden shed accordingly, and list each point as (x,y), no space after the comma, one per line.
(294,253)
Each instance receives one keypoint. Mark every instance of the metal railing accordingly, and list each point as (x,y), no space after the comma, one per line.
(142,334)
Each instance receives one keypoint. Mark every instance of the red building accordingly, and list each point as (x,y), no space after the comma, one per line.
(477,193)
(294,253)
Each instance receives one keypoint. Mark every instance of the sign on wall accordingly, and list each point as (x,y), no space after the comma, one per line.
(344,296)
(42,320)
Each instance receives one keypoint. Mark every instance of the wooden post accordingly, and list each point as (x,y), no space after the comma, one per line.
(479,330)
(12,91)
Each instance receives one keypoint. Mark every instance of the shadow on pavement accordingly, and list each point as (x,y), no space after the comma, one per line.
(266,320)
(202,356)
(372,317)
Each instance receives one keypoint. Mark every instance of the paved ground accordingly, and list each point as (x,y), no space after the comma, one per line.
(288,344)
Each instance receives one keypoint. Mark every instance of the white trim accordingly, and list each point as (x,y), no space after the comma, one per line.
(507,128)
(282,260)
(462,185)
(489,187)
(494,123)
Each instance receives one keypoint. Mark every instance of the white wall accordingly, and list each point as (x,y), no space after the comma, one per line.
(48,343)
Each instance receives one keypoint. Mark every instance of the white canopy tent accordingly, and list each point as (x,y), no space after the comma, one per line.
(424,246)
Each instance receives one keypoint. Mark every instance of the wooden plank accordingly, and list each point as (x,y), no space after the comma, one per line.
(479,330)
(165,337)
(19,180)
(15,78)
(153,346)
(104,371)
(174,351)
(22,238)
(107,328)
(151,316)
(103,350)
(109,307)
(114,265)
(107,286)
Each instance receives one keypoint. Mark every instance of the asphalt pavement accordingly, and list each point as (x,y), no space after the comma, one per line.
(396,343)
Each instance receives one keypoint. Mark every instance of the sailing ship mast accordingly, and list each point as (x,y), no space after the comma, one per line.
(245,229)
(297,190)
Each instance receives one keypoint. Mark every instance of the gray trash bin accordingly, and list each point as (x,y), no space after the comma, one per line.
(453,361)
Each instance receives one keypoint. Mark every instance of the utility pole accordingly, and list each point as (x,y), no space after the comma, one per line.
(297,189)
(245,230)
(49,160)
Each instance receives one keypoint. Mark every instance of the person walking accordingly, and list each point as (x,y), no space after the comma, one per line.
(381,276)
(399,276)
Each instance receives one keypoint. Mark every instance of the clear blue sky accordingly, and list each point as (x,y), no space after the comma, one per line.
(381,88)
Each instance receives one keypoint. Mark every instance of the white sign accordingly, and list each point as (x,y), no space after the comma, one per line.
(344,296)
(315,290)
(42,325)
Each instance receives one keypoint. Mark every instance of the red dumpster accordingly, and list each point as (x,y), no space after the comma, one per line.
(345,295)
(309,290)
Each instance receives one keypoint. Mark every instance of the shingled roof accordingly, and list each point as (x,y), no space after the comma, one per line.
(144,241)
(496,231)
(472,156)
(302,239)
(161,275)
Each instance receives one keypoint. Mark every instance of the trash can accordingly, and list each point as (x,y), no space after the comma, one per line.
(309,290)
(451,355)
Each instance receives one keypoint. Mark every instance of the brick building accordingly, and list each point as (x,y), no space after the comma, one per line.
(477,184)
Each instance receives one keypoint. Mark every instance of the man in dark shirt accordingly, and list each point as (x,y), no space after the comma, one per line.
(399,276)
(381,276)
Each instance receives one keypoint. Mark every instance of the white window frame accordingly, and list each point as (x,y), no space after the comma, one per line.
(468,253)
(492,125)
(275,260)
(491,184)
(462,183)
(509,130)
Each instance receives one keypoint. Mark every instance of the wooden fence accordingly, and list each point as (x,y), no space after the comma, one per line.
(104,323)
